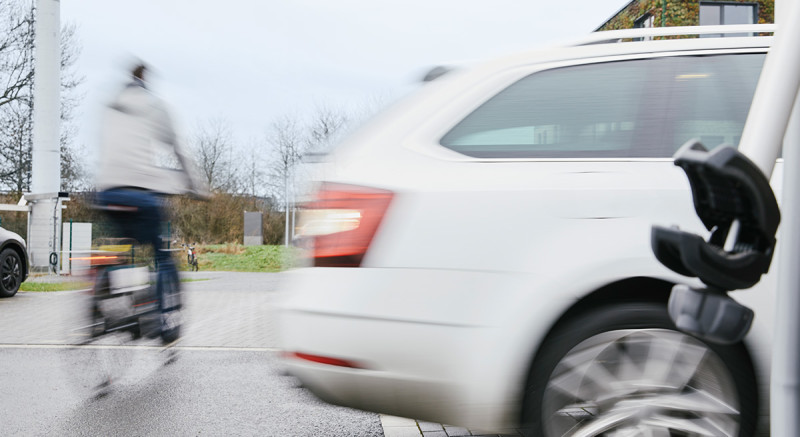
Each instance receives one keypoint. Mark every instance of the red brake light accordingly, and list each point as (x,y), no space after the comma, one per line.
(341,223)
(323,360)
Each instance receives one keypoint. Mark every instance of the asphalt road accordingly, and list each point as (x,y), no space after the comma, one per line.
(223,378)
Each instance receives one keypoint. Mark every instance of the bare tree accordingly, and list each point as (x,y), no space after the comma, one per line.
(214,150)
(16,81)
(16,99)
(73,173)
(288,144)
(325,127)
(292,142)
(15,147)
(253,173)
(16,51)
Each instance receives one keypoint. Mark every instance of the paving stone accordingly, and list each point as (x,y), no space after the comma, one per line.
(397,421)
(430,426)
(456,431)
(401,431)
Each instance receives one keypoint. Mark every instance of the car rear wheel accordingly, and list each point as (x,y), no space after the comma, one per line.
(625,371)
(10,272)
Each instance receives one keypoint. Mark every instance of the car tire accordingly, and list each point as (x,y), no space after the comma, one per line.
(626,370)
(10,272)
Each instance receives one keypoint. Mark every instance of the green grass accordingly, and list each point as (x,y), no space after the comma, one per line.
(238,258)
(54,286)
(215,257)
(72,285)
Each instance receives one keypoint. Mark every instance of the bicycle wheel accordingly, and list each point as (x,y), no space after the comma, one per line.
(97,357)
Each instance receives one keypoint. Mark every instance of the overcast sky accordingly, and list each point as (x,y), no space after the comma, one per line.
(249,61)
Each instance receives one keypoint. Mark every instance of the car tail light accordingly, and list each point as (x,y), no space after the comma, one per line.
(341,222)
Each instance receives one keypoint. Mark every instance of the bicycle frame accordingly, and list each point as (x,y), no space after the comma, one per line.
(122,297)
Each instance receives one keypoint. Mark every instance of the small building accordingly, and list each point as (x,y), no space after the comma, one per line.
(663,13)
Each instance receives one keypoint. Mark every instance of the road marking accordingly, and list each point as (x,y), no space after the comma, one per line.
(139,346)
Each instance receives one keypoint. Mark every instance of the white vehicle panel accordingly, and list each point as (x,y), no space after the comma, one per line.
(476,259)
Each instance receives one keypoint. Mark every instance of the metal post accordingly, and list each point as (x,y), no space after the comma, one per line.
(70,246)
(762,137)
(774,105)
(294,208)
(286,206)
(785,383)
(56,240)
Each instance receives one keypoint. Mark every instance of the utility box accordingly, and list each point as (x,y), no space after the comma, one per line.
(44,230)
(253,229)
(76,243)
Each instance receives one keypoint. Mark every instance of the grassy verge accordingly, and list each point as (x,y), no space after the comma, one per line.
(215,257)
(238,258)
(54,286)
(73,285)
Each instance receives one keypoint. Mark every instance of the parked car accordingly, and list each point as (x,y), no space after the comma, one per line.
(14,264)
(481,251)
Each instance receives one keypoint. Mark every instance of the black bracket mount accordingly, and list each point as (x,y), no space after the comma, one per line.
(730,192)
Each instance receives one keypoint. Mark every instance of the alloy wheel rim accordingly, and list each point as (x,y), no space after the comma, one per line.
(10,273)
(649,382)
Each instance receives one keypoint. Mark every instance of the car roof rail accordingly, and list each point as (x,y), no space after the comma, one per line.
(613,36)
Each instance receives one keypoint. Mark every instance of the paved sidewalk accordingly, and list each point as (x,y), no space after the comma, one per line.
(233,318)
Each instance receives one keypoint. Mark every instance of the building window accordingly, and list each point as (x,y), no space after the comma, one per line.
(643,22)
(716,13)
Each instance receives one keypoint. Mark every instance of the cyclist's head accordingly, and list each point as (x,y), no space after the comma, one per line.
(138,71)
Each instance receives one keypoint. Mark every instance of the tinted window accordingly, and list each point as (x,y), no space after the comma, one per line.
(639,108)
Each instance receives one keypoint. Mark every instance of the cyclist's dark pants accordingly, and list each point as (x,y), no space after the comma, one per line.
(143,225)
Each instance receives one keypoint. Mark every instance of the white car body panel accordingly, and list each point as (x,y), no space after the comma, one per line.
(548,232)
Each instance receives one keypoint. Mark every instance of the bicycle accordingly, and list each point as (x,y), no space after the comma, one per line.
(122,311)
(126,298)
(191,258)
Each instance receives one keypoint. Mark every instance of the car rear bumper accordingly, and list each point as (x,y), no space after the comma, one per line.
(434,345)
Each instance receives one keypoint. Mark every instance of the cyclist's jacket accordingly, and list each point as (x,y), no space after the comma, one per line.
(139,147)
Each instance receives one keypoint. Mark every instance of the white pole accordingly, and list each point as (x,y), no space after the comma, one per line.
(286,206)
(294,205)
(43,232)
(46,157)
(785,385)
(785,382)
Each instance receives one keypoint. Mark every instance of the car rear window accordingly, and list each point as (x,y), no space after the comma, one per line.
(626,109)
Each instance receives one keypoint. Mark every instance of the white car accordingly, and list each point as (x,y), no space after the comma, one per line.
(481,251)
(14,265)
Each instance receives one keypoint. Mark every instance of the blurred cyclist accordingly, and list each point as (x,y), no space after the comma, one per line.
(137,140)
